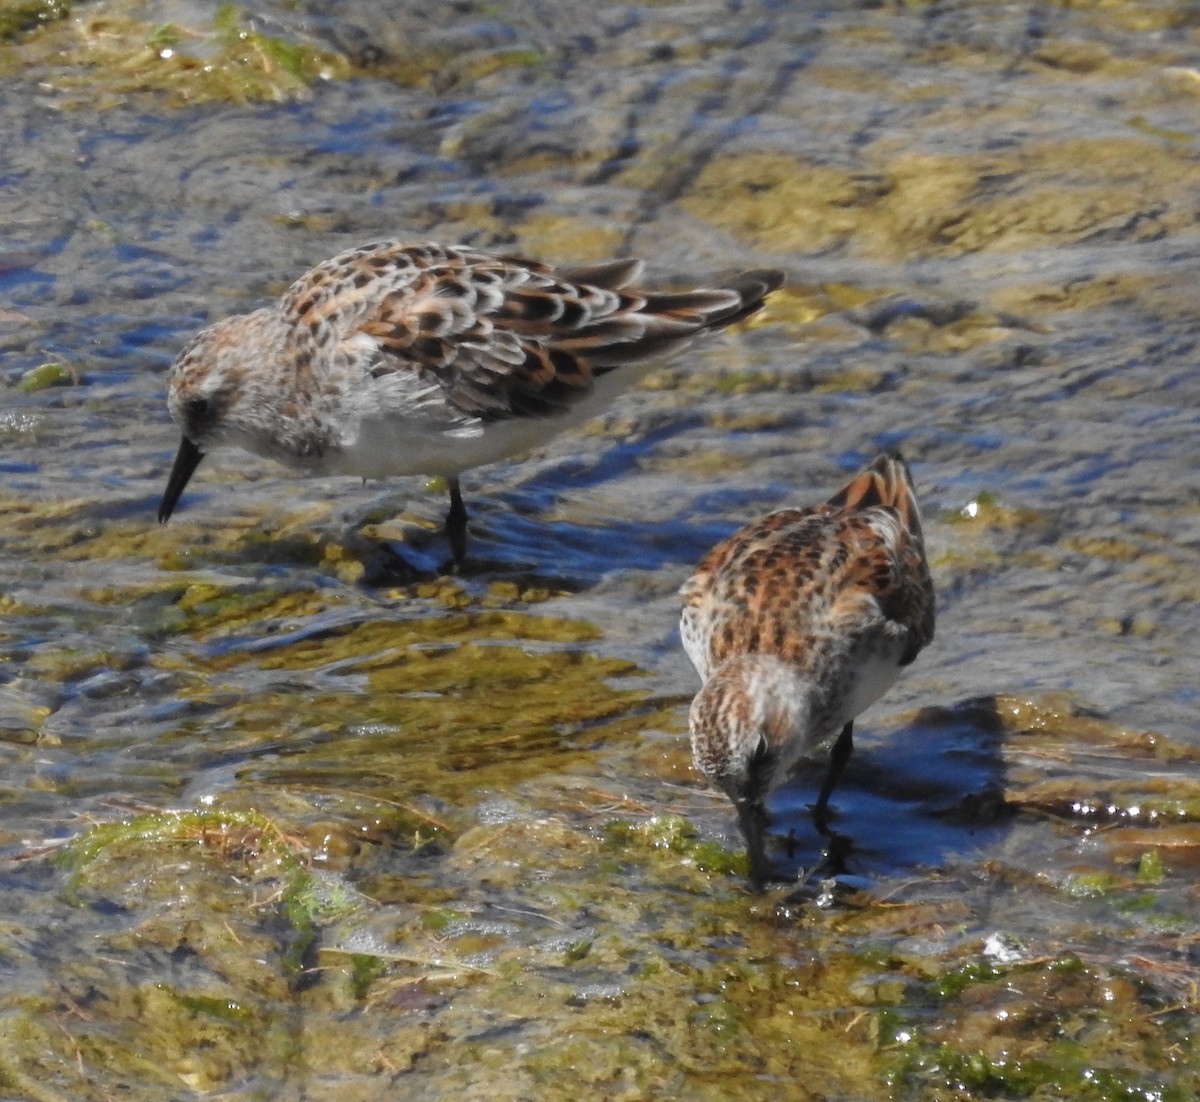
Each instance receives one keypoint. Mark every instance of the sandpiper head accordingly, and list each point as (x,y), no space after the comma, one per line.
(205,396)
(748,725)
(209,379)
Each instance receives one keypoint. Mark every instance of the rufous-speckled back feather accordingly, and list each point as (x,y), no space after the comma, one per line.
(785,583)
(886,482)
(502,335)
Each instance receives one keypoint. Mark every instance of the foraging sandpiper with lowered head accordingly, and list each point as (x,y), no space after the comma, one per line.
(796,623)
(398,359)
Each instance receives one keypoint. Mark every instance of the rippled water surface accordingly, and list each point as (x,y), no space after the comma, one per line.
(284,813)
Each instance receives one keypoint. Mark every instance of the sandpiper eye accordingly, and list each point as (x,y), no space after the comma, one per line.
(197,408)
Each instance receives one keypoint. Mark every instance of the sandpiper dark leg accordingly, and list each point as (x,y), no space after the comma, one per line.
(456,523)
(838,756)
(837,846)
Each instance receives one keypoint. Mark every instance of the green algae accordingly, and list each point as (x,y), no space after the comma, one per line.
(693,1024)
(69,530)
(19,16)
(698,984)
(435,706)
(731,421)
(956,980)
(1150,868)
(746,382)
(45,376)
(208,885)
(211,609)
(985,510)
(1090,885)
(946,1073)
(461,702)
(478,64)
(445,68)
(14,1039)
(800,379)
(225,1009)
(548,233)
(675,840)
(108,54)
(233,835)
(916,203)
(770,197)
(1047,1030)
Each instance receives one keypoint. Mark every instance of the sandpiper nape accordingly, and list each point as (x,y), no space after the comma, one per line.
(395,359)
(796,623)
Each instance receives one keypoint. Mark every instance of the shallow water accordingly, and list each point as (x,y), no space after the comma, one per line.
(988,217)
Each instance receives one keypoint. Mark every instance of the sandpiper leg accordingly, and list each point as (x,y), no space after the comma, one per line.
(839,755)
(456,523)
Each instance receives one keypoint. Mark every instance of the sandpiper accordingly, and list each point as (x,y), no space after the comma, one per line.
(796,623)
(395,359)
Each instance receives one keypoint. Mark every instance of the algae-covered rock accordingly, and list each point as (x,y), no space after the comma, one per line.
(46,375)
(18,16)
(934,204)
(109,52)
(1044,1030)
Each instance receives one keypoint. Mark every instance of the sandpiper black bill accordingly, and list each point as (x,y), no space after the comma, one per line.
(187,459)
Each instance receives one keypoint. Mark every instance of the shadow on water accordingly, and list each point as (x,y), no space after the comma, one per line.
(519,531)
(901,811)
(577,555)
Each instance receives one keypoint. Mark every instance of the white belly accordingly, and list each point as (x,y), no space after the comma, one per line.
(398,443)
(869,676)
